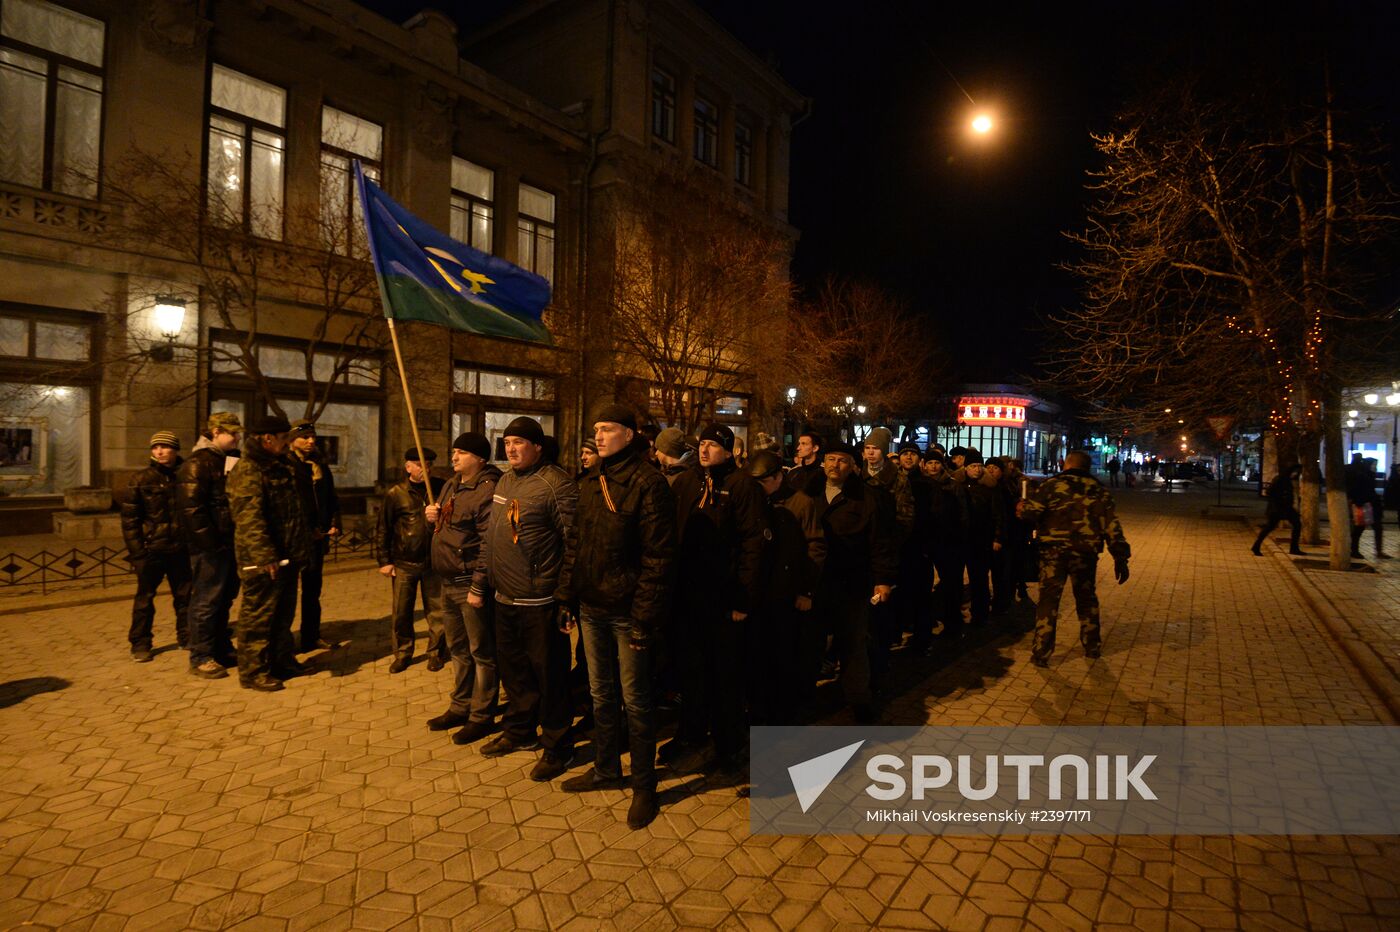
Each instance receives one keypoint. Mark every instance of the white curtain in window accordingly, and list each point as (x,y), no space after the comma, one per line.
(536,203)
(60,341)
(225,184)
(352,134)
(53,27)
(22,81)
(230,90)
(14,336)
(471,178)
(54,418)
(77,132)
(266,185)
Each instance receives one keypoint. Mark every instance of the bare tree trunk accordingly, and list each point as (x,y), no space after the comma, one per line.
(1338,514)
(1309,486)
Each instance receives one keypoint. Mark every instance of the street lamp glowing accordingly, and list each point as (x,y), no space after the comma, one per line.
(860,409)
(1353,413)
(791,395)
(1393,400)
(1371,398)
(850,399)
(981,124)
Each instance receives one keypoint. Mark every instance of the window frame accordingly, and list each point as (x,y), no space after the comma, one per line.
(350,156)
(663,104)
(250,123)
(472,202)
(536,224)
(706,132)
(743,152)
(55,59)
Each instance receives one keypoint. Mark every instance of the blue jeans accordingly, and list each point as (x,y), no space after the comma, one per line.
(214,587)
(615,667)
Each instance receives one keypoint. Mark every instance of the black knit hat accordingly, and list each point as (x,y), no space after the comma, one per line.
(957,451)
(972,456)
(526,428)
(472,442)
(908,446)
(411,455)
(590,445)
(935,453)
(720,434)
(270,424)
(617,414)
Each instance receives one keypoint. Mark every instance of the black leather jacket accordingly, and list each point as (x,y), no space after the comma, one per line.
(150,519)
(202,500)
(403,534)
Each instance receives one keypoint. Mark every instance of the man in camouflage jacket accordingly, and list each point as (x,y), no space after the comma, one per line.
(1074,516)
(271,542)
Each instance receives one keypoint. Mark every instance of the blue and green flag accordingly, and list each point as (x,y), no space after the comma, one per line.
(428,276)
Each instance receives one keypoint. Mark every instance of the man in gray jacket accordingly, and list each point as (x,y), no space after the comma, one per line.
(459,521)
(521,555)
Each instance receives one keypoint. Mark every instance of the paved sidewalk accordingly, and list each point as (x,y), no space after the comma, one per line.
(135,796)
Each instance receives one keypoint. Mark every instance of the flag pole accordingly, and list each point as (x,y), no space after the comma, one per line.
(412,417)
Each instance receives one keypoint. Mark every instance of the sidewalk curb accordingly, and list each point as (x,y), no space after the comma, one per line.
(127,592)
(1372,667)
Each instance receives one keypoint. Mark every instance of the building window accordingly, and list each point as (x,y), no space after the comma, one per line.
(247,141)
(345,138)
(473,194)
(743,154)
(50,97)
(37,339)
(536,222)
(706,132)
(502,384)
(663,105)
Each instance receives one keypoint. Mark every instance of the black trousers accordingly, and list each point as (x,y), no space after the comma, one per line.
(710,654)
(149,572)
(948,592)
(311,597)
(979,590)
(532,657)
(1274,518)
(775,665)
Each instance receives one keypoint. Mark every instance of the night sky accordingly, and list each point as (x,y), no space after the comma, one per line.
(888,184)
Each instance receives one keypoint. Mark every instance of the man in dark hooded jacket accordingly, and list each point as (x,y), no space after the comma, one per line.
(985,523)
(207,526)
(323,508)
(947,545)
(155,544)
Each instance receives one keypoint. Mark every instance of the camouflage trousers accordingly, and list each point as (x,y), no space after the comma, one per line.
(1078,566)
(264,625)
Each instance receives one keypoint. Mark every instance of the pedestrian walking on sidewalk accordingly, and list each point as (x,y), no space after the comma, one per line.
(1283,506)
(1074,516)
(155,545)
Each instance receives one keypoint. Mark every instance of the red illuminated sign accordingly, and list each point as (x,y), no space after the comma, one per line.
(987,411)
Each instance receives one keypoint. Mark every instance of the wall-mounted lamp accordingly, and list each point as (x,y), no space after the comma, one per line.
(170,320)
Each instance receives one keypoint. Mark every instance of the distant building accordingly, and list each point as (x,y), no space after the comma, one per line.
(259,107)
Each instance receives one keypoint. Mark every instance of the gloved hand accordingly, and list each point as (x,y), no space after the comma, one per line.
(1120,571)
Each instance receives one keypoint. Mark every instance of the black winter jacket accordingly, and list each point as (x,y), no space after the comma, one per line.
(402,534)
(269,515)
(850,538)
(523,550)
(721,541)
(462,520)
(986,513)
(621,551)
(202,499)
(150,517)
(786,571)
(323,505)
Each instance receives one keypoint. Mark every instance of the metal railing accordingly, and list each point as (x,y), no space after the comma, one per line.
(107,566)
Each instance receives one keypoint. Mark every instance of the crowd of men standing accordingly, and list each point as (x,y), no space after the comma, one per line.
(730,589)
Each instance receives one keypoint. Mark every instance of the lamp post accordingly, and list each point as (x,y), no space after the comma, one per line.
(1393,402)
(790,421)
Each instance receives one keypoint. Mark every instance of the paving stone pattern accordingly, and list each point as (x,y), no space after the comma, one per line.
(138,797)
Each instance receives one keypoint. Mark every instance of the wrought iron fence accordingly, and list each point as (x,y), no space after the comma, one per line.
(107,566)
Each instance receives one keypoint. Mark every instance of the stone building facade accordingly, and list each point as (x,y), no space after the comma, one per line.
(258,107)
